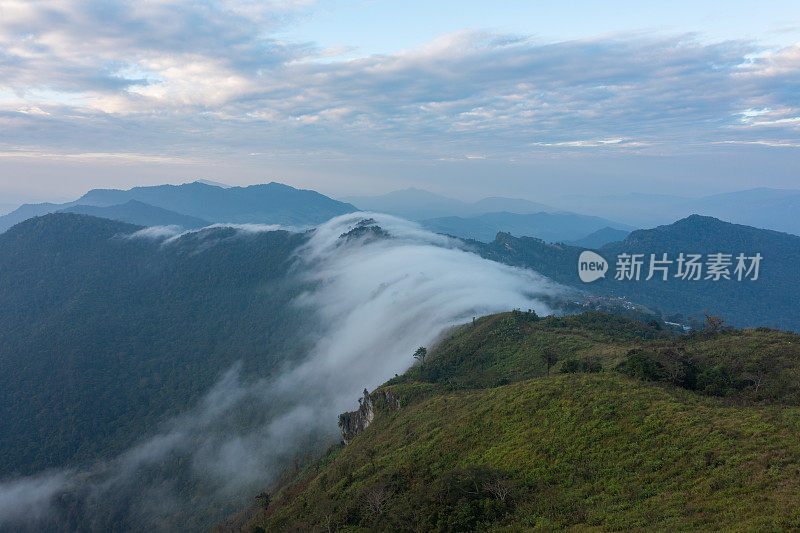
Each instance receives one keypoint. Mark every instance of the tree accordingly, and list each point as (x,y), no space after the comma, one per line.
(713,323)
(549,357)
(675,364)
(420,354)
(759,369)
(263,500)
(498,487)
(371,454)
(327,509)
(375,499)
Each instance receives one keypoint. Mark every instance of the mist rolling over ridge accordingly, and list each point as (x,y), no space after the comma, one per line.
(376,288)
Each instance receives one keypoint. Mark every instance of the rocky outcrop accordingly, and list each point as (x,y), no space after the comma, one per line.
(355,422)
(365,228)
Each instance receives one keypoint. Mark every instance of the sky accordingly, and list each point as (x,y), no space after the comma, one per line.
(531,99)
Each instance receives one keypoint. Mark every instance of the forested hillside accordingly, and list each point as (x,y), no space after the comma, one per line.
(524,423)
(103,335)
(771,300)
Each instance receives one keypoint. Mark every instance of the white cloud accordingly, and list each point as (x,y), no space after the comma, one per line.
(122,157)
(172,234)
(207,80)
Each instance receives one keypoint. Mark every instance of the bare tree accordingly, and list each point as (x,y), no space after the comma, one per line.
(375,499)
(498,487)
(330,525)
(757,371)
(327,510)
(757,379)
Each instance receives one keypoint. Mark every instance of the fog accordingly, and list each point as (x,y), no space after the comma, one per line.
(170,234)
(374,297)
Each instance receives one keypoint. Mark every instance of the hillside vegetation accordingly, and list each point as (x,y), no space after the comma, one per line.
(102,337)
(586,422)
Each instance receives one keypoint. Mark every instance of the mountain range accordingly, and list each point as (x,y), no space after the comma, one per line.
(600,238)
(483,219)
(107,332)
(418,204)
(578,222)
(79,299)
(271,203)
(768,301)
(776,209)
(551,227)
(139,213)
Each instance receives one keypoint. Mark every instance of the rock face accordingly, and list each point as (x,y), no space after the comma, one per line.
(367,228)
(355,422)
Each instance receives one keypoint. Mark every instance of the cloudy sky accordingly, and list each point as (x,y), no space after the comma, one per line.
(519,98)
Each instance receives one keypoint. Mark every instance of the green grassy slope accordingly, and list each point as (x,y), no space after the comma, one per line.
(484,439)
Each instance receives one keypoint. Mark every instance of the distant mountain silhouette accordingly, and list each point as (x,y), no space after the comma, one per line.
(26,211)
(135,212)
(600,238)
(271,203)
(551,227)
(496,204)
(215,183)
(776,209)
(419,204)
(411,203)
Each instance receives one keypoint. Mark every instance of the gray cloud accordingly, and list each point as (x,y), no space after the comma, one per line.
(29,500)
(180,78)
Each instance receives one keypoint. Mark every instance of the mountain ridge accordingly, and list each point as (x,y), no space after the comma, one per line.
(271,203)
(419,204)
(762,207)
(517,422)
(765,302)
(139,213)
(552,227)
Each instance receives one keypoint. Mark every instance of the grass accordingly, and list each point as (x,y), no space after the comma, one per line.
(584,451)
